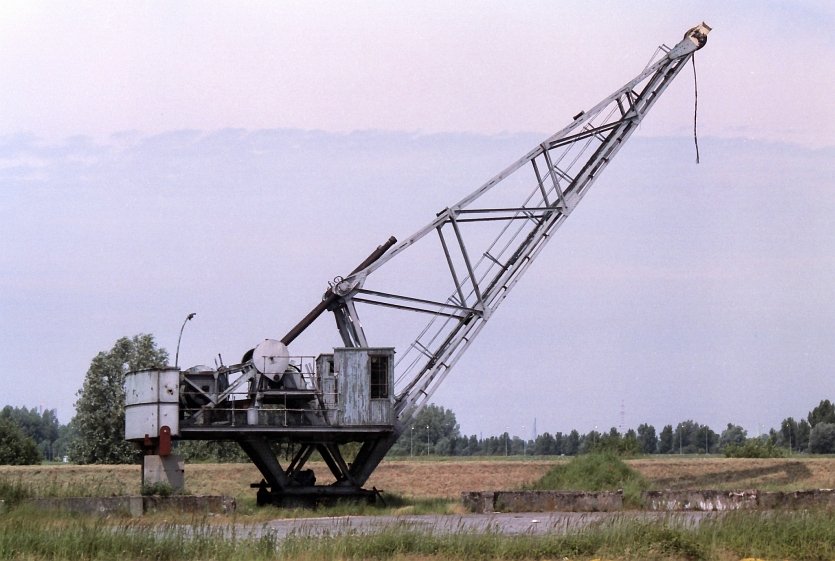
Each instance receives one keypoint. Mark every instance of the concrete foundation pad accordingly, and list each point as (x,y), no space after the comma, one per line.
(138,505)
(655,501)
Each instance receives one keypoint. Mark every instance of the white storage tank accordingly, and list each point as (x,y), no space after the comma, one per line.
(151,402)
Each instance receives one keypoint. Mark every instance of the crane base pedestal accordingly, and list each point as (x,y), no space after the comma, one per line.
(163,471)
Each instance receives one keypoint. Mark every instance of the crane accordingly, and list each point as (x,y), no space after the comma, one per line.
(351,405)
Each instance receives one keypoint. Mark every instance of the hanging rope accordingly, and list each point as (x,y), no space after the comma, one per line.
(695,107)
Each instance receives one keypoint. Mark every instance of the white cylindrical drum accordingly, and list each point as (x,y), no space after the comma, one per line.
(271,358)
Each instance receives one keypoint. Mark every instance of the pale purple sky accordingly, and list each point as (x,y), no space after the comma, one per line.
(486,67)
(158,159)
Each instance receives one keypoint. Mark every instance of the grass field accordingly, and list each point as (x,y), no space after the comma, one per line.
(799,536)
(445,478)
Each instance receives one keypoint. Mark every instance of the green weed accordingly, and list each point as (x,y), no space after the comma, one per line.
(599,471)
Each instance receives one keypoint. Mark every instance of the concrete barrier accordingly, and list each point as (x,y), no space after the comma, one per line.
(190,504)
(126,506)
(138,505)
(710,500)
(700,500)
(819,498)
(542,501)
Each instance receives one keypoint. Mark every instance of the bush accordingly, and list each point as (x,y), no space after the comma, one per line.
(754,448)
(598,471)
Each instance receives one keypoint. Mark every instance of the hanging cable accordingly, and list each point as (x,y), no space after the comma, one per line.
(695,107)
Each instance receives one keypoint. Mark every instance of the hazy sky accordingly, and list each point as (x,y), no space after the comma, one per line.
(229,159)
(487,67)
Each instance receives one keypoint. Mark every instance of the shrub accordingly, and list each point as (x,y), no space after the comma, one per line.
(754,448)
(598,471)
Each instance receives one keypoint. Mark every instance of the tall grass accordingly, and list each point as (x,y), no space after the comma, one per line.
(13,492)
(28,534)
(797,535)
(787,535)
(14,489)
(800,536)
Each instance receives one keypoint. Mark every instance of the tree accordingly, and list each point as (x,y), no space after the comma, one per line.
(61,446)
(647,440)
(823,413)
(433,430)
(221,451)
(15,447)
(822,438)
(571,444)
(629,445)
(665,440)
(474,446)
(706,440)
(788,435)
(41,427)
(691,438)
(100,409)
(803,431)
(544,445)
(589,442)
(733,435)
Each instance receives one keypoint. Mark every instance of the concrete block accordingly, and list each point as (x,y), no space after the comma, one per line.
(137,506)
(190,504)
(698,500)
(163,470)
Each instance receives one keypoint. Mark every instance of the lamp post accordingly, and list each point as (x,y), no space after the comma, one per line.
(506,438)
(412,442)
(427,440)
(679,440)
(524,442)
(180,338)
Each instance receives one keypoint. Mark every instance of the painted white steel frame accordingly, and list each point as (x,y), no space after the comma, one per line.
(561,169)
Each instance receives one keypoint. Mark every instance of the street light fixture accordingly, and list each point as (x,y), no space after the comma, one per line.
(506,438)
(180,338)
(427,440)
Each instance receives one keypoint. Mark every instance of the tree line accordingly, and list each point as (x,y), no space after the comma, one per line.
(96,432)
(435,431)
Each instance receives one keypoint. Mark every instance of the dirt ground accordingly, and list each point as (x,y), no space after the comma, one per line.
(446,478)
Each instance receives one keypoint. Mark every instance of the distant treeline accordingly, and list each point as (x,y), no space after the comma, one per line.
(435,431)
(30,436)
